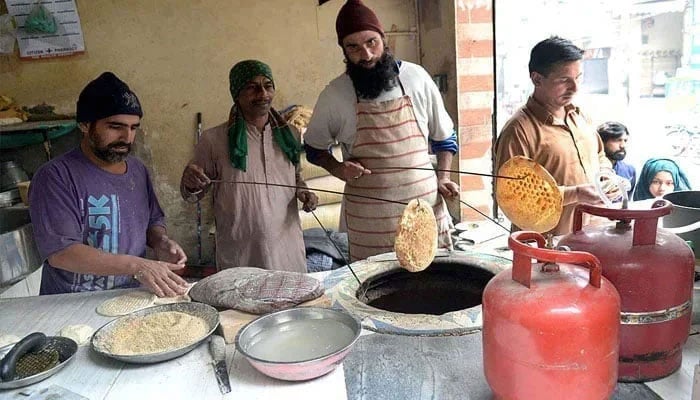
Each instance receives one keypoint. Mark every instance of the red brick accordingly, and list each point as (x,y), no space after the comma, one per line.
(477,14)
(475,83)
(479,116)
(470,150)
(471,182)
(470,215)
(474,48)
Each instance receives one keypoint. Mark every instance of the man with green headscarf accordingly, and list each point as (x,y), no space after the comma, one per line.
(256,225)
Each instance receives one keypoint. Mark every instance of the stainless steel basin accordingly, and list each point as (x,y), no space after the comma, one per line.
(19,256)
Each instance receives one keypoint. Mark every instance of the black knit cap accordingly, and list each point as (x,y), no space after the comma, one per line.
(106,96)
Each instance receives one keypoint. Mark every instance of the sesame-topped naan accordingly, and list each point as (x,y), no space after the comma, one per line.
(532,203)
(416,236)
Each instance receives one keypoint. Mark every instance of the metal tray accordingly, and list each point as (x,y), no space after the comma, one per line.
(206,312)
(66,351)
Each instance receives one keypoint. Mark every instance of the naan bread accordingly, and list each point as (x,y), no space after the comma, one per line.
(532,203)
(126,303)
(416,236)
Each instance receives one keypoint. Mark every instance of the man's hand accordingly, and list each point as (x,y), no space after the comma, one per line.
(447,188)
(194,178)
(169,251)
(308,199)
(159,278)
(587,193)
(350,170)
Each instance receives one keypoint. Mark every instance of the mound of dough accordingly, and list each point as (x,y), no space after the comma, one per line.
(8,339)
(416,236)
(79,333)
(533,202)
(126,303)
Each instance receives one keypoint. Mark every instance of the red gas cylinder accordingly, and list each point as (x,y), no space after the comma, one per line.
(551,328)
(652,270)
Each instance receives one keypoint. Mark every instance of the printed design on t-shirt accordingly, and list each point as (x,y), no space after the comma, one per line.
(102,233)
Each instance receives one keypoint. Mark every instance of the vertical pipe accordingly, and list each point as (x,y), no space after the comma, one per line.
(494,119)
(416,9)
(199,206)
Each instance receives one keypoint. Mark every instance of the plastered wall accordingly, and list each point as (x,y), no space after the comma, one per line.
(176,55)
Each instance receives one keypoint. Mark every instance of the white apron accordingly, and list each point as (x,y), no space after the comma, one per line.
(388,136)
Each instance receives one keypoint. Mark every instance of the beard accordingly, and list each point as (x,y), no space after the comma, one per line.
(617,155)
(371,82)
(108,153)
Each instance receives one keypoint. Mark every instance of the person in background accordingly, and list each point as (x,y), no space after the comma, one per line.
(658,177)
(256,225)
(555,133)
(94,210)
(614,136)
(385,113)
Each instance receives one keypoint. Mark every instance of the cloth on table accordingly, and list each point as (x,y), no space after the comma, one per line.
(321,254)
(256,290)
(318,262)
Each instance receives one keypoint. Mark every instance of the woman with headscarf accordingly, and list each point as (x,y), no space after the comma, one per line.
(658,177)
(256,225)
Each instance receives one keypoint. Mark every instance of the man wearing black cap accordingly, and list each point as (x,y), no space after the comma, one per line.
(384,113)
(94,210)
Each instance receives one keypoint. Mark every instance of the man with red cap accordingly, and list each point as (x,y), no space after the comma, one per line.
(385,114)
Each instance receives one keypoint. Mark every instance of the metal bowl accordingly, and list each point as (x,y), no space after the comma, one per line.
(66,349)
(206,312)
(298,344)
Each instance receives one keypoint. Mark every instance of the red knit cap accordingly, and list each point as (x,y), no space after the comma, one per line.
(353,17)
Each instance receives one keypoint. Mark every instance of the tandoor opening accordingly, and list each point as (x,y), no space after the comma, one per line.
(439,289)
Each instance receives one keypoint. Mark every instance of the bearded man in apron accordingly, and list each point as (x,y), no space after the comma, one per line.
(384,113)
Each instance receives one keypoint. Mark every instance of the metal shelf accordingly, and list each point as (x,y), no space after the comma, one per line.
(34,126)
(34,132)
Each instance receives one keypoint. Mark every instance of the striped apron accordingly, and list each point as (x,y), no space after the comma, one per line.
(388,136)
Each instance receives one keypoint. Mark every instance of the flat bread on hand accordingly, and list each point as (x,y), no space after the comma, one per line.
(416,236)
(533,202)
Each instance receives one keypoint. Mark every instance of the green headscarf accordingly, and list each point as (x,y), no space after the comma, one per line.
(240,75)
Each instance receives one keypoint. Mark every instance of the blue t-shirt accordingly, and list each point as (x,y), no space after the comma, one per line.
(626,171)
(74,201)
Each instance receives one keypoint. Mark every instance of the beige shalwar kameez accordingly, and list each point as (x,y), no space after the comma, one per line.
(256,225)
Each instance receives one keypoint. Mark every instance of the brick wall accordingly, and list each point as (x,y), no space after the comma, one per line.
(475,91)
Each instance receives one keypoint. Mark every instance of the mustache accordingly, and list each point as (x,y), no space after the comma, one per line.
(119,144)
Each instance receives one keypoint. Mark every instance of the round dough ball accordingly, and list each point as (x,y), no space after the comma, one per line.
(8,339)
(79,333)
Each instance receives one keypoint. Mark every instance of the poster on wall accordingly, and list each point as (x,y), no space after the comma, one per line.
(49,28)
